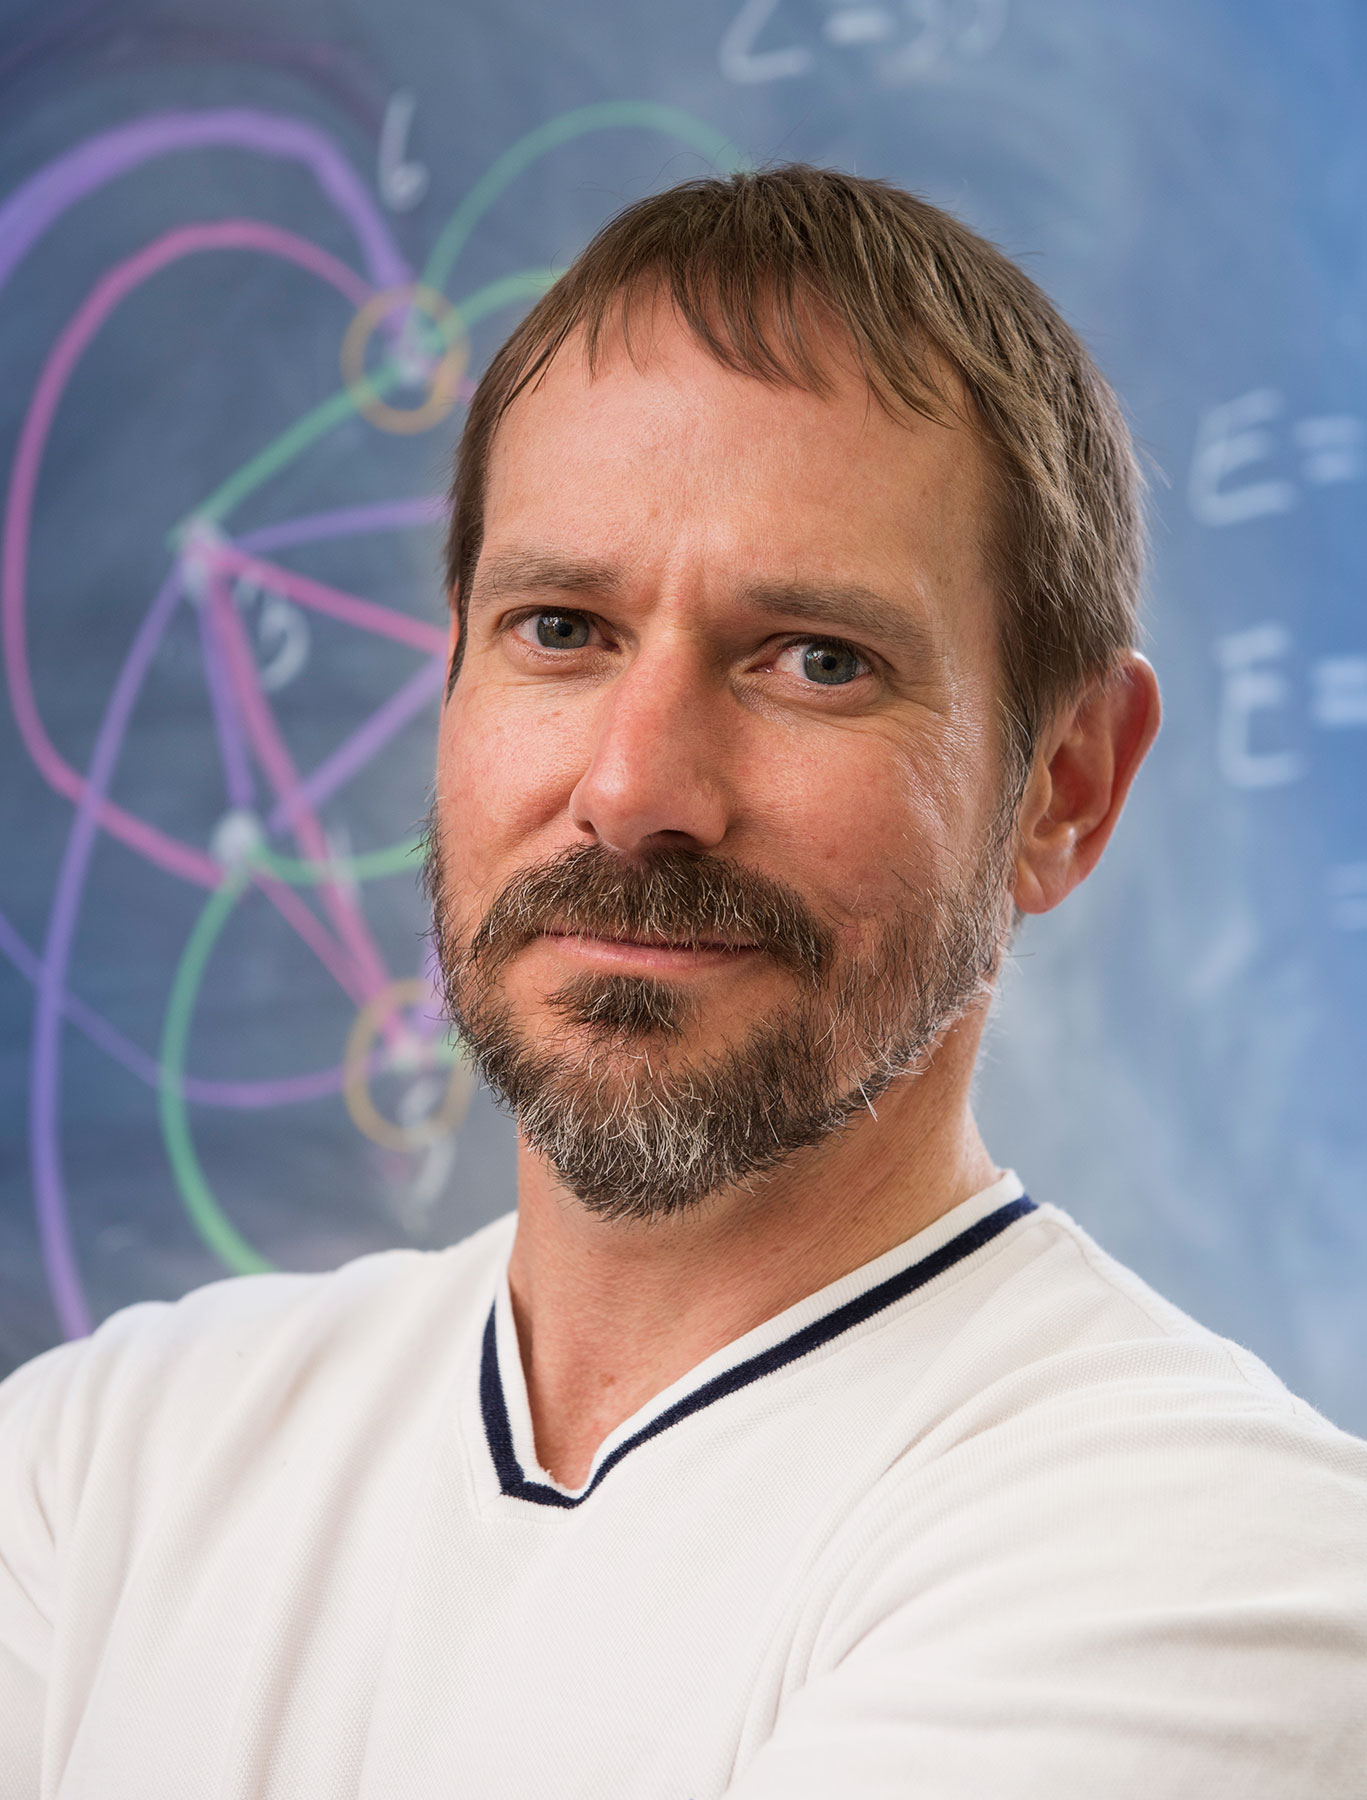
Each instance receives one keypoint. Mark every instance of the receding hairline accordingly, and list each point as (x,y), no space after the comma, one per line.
(808,345)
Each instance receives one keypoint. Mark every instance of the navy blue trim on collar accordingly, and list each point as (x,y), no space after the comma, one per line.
(499,1432)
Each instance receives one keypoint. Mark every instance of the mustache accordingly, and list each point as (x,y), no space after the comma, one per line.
(673,896)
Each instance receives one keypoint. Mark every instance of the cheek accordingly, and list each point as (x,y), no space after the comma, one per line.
(500,783)
(844,811)
(871,817)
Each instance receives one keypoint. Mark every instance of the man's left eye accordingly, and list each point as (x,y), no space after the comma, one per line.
(562,631)
(825,662)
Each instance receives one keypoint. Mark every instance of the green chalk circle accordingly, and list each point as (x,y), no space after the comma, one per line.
(215,1230)
(529,284)
(649,115)
(526,284)
(394,859)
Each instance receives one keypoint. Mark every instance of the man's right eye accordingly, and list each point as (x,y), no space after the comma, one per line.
(561,631)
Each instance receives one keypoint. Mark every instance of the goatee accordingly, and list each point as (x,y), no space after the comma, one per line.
(632,1125)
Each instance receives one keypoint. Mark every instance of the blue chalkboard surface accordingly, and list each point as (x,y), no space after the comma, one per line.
(251,259)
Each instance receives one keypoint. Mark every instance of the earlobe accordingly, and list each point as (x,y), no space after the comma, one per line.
(1077,788)
(1036,840)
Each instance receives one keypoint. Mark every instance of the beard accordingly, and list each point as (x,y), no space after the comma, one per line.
(632,1126)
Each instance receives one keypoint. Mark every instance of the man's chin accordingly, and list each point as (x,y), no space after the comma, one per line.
(623,1010)
(624,1060)
(629,1021)
(642,1128)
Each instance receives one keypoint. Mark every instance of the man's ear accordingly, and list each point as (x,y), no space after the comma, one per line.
(1082,772)
(455,645)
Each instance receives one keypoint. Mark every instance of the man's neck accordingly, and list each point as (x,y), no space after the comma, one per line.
(610,1313)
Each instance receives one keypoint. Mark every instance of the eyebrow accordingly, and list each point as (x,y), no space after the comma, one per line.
(531,572)
(844,606)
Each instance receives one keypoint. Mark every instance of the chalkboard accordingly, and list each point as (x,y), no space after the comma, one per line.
(251,259)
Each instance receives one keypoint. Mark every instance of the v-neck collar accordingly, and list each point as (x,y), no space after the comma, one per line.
(790,1335)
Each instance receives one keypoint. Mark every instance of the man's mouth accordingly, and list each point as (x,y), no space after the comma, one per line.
(648,950)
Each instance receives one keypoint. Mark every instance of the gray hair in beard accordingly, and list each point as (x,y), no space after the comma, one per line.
(636,1136)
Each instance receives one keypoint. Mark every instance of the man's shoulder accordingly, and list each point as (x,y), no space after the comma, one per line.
(246,1316)
(163,1372)
(1079,1385)
(1086,1449)
(1066,1304)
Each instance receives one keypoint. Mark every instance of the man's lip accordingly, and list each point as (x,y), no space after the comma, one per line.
(656,952)
(648,943)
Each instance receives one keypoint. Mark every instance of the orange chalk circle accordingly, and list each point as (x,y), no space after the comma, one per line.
(365,1115)
(443,379)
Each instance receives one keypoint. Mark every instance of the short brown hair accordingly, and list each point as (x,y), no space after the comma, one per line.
(759,265)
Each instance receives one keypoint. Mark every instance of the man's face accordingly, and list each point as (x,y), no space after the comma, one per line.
(718,848)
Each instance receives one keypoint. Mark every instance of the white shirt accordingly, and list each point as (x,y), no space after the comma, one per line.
(984,1520)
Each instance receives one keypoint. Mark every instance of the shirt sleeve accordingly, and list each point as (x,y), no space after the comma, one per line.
(30,1414)
(1169,1606)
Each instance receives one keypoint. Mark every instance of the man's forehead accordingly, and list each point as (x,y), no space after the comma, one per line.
(827,508)
(583,421)
(642,333)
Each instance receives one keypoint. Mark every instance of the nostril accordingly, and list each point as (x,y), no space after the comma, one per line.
(636,796)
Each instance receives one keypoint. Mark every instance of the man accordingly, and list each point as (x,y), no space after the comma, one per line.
(781,1446)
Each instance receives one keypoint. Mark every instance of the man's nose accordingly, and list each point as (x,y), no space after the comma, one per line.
(655,780)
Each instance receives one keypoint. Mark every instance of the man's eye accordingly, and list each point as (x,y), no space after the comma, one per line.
(830,664)
(561,631)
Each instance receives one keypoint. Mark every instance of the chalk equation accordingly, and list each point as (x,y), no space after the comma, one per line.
(1264,714)
(1270,704)
(905,40)
(1250,460)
